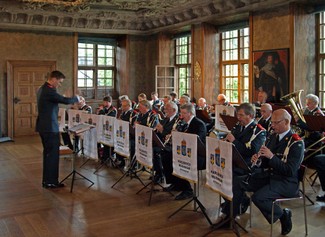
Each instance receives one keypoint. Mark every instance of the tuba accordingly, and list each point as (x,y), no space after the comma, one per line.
(295,104)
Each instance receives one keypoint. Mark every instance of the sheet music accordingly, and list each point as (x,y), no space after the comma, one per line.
(80,128)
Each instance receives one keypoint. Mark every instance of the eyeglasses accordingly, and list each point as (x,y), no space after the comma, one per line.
(276,122)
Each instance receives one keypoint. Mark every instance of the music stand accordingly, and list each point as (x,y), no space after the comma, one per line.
(131,171)
(203,115)
(239,162)
(315,123)
(75,131)
(156,142)
(230,121)
(201,151)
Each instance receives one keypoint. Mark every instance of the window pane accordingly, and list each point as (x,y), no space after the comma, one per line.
(85,78)
(85,54)
(105,78)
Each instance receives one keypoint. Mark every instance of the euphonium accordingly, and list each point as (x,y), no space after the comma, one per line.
(295,104)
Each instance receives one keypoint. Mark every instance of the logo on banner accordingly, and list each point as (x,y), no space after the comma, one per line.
(120,132)
(142,139)
(182,149)
(76,119)
(217,159)
(107,126)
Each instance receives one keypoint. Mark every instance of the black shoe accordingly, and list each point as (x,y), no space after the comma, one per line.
(286,223)
(320,198)
(184,195)
(244,205)
(157,179)
(59,185)
(222,222)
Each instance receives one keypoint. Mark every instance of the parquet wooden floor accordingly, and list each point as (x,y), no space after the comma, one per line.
(26,209)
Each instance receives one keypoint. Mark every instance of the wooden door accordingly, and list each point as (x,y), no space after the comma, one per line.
(27,78)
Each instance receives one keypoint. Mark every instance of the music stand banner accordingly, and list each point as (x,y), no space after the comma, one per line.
(219,166)
(61,119)
(107,130)
(93,119)
(226,110)
(143,145)
(185,155)
(74,117)
(90,143)
(121,138)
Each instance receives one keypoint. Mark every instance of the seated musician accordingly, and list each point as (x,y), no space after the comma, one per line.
(261,99)
(248,137)
(310,138)
(174,95)
(191,125)
(81,105)
(279,160)
(109,110)
(141,96)
(222,100)
(156,102)
(146,116)
(165,100)
(129,115)
(205,117)
(163,130)
(265,119)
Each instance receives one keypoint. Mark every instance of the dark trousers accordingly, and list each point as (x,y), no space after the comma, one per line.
(263,196)
(319,163)
(51,146)
(167,163)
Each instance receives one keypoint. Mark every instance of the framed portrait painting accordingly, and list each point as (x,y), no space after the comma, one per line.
(271,74)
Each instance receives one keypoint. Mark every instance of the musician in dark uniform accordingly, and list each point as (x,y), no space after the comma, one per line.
(191,125)
(248,137)
(47,125)
(265,119)
(109,110)
(280,160)
(163,130)
(83,106)
(312,137)
(129,115)
(146,116)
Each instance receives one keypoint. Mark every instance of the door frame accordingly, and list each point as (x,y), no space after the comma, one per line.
(11,65)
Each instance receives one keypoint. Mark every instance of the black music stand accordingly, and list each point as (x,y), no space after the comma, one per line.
(201,152)
(203,115)
(230,121)
(108,161)
(237,161)
(131,171)
(156,142)
(315,123)
(75,131)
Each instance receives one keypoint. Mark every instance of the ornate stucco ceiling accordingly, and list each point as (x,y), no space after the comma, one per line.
(127,16)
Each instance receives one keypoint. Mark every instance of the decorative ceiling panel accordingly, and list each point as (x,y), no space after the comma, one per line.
(128,16)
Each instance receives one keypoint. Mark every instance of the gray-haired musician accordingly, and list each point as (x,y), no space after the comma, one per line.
(265,119)
(192,125)
(146,116)
(280,159)
(248,137)
(163,130)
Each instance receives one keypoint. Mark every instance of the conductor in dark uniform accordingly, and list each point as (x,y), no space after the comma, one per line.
(279,162)
(47,125)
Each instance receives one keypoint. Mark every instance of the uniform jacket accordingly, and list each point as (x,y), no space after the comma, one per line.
(242,140)
(48,100)
(283,173)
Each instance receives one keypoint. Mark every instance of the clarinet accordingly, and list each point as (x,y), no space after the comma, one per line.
(177,124)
